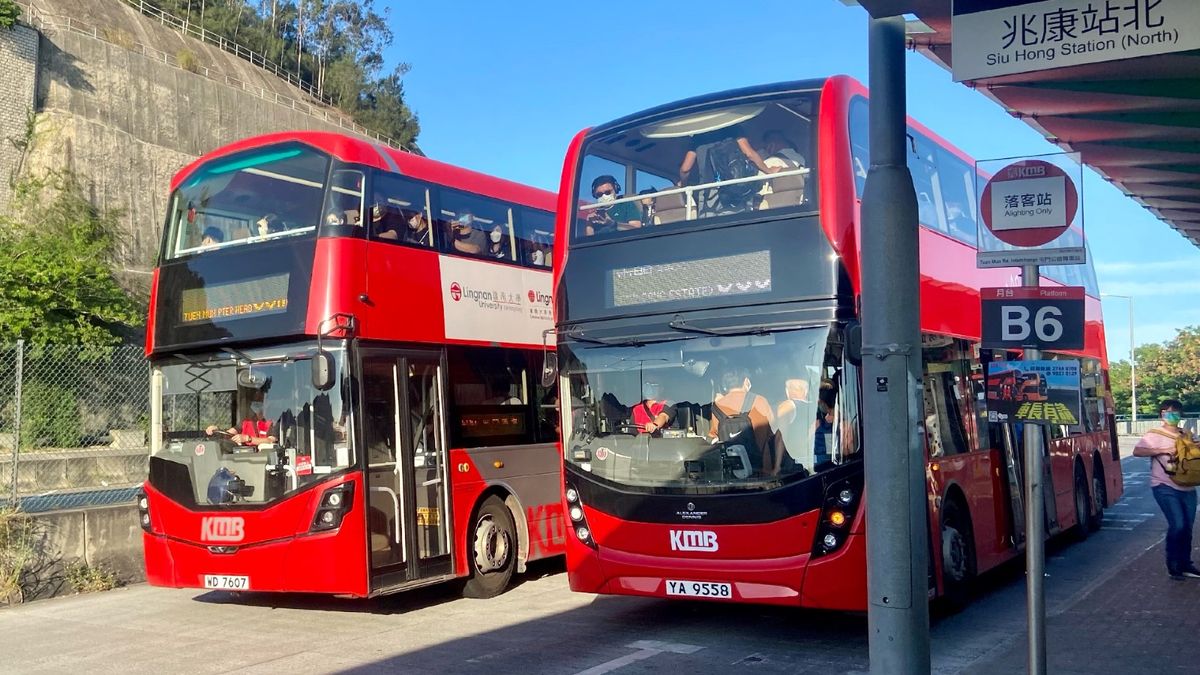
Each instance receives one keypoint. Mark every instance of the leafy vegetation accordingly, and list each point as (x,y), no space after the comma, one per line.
(57,283)
(16,553)
(86,579)
(10,11)
(334,45)
(1167,370)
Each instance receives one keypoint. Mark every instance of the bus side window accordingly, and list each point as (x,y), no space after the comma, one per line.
(490,391)
(536,238)
(949,408)
(399,211)
(860,155)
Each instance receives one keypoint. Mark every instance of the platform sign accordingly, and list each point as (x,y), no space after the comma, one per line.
(1046,317)
(1038,392)
(1002,37)
(1030,212)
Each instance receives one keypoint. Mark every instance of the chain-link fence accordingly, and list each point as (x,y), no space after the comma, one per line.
(73,425)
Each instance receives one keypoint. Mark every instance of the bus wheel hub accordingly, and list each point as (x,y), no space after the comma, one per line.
(492,545)
(954,554)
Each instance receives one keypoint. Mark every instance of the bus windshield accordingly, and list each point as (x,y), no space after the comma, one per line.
(716,162)
(709,414)
(250,197)
(253,420)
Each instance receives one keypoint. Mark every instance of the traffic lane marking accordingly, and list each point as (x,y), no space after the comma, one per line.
(645,649)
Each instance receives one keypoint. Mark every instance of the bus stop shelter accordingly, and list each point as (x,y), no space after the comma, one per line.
(1135,121)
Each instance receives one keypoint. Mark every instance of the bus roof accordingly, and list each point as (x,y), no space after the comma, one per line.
(359,151)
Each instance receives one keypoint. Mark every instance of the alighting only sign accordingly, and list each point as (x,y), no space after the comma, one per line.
(1002,37)
(1028,207)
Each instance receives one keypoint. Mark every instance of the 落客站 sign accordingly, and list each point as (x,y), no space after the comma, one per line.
(1002,37)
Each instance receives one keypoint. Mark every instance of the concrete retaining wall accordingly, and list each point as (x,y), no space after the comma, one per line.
(18,64)
(107,537)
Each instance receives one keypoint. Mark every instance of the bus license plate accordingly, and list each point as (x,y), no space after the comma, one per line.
(225,582)
(699,589)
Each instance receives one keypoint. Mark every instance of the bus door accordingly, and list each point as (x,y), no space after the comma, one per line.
(1014,472)
(408,519)
(1049,508)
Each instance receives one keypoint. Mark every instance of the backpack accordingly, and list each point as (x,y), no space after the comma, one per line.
(1184,466)
(724,160)
(736,429)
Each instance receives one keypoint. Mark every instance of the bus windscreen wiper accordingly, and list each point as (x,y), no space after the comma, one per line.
(680,325)
(577,334)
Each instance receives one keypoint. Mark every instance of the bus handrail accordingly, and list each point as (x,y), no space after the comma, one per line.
(395,505)
(687,190)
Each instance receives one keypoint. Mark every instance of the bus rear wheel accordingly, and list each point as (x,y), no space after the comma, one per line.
(1083,505)
(958,556)
(1099,497)
(492,550)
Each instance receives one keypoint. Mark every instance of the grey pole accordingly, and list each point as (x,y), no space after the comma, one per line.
(1132,374)
(1035,538)
(20,375)
(897,539)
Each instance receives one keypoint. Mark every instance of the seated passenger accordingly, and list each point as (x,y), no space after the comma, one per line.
(381,223)
(268,224)
(652,413)
(418,231)
(623,216)
(796,417)
(497,248)
(647,205)
(212,237)
(743,418)
(466,236)
(779,154)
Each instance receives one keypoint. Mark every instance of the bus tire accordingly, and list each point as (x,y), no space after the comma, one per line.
(1099,496)
(1083,505)
(958,556)
(491,550)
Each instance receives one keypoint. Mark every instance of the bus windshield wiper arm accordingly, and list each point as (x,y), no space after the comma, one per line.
(577,334)
(681,325)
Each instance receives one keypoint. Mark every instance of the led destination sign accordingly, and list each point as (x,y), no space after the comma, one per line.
(738,274)
(235,300)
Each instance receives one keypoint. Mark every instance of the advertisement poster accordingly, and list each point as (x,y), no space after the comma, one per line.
(1038,392)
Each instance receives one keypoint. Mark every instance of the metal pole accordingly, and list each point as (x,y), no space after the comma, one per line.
(1035,539)
(897,521)
(1132,373)
(17,425)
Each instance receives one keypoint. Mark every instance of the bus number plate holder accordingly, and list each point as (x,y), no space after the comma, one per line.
(700,589)
(225,582)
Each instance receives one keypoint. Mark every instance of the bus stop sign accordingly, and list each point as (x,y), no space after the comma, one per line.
(1040,318)
(1029,203)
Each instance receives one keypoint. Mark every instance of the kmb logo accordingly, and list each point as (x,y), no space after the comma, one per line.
(455,291)
(693,540)
(222,528)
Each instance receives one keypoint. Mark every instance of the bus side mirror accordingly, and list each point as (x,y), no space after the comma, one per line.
(322,370)
(549,369)
(854,343)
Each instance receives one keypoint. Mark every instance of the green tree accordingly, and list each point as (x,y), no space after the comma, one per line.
(10,11)
(57,283)
(1167,370)
(1118,380)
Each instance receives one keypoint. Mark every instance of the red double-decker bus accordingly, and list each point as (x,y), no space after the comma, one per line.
(707,304)
(342,338)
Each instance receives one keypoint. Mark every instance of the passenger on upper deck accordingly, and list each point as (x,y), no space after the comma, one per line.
(623,216)
(268,224)
(722,155)
(418,231)
(780,154)
(497,248)
(381,223)
(212,237)
(467,237)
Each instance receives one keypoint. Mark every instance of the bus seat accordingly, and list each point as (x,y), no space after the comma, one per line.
(352,217)
(786,191)
(240,233)
(669,209)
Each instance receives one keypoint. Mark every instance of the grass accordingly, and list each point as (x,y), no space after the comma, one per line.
(16,553)
(86,579)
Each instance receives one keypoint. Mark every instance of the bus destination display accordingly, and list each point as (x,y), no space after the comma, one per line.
(737,274)
(235,300)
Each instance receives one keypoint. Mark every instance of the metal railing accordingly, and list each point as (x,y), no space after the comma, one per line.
(73,422)
(47,22)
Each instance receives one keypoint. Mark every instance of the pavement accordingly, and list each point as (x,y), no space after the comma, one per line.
(1110,609)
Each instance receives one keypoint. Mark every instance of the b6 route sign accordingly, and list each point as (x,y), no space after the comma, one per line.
(1041,318)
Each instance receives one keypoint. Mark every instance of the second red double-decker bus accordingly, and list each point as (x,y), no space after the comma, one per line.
(707,305)
(342,338)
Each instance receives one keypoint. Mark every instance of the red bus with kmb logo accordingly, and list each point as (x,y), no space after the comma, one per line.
(344,341)
(709,273)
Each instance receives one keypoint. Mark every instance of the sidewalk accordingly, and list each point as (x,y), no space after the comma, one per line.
(1137,621)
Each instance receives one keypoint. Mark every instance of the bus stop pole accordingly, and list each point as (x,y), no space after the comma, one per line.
(1035,538)
(897,535)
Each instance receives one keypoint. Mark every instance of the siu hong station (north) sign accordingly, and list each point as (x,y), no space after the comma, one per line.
(1002,37)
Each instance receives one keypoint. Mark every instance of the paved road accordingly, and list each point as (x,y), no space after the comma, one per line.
(537,627)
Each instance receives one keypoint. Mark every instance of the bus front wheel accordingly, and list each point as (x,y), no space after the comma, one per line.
(958,555)
(492,550)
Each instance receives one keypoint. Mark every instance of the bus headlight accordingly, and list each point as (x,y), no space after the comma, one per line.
(577,516)
(837,518)
(334,505)
(840,506)
(830,541)
(576,513)
(143,504)
(572,495)
(845,497)
(583,533)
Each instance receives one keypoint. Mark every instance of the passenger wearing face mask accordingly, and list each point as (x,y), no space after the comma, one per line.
(496,245)
(467,237)
(418,231)
(652,413)
(623,216)
(1178,502)
(255,428)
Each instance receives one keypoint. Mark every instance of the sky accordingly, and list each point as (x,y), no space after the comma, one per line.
(503,87)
